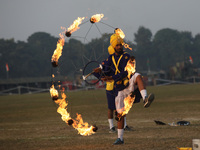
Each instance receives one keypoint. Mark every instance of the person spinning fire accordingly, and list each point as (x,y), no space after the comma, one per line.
(117,78)
(110,94)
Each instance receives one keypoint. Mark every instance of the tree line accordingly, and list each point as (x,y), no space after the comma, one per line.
(157,52)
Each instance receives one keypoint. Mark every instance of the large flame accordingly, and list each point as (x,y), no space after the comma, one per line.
(130,67)
(75,25)
(58,51)
(62,109)
(53,92)
(96,18)
(128,103)
(83,128)
(119,32)
(61,41)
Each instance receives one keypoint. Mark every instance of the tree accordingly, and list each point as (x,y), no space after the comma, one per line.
(97,49)
(72,56)
(143,39)
(166,48)
(33,58)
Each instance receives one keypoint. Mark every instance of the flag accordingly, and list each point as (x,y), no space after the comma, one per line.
(191,60)
(7,68)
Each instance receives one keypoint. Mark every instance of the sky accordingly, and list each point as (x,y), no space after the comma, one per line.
(19,19)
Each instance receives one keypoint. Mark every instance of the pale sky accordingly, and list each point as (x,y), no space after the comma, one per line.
(21,18)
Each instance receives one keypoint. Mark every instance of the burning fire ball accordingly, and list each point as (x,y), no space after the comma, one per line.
(95,128)
(70,122)
(68,34)
(54,63)
(92,20)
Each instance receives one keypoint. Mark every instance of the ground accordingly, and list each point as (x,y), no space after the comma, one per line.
(31,121)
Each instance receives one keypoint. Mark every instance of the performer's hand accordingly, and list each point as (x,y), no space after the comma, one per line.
(107,78)
(97,70)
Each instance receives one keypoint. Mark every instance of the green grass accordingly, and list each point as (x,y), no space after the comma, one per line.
(31,121)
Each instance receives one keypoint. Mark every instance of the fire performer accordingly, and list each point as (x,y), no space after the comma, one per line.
(119,80)
(110,94)
(116,77)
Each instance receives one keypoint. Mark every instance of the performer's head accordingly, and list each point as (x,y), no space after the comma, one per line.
(116,43)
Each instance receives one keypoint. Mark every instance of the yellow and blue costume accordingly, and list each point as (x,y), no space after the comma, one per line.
(115,64)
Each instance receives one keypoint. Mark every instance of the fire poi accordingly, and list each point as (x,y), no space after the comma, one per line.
(58,51)
(74,26)
(54,93)
(96,18)
(120,33)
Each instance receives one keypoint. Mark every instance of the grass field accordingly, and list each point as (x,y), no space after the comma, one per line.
(30,122)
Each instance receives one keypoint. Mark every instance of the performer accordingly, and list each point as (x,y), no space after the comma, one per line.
(110,94)
(115,75)
(115,65)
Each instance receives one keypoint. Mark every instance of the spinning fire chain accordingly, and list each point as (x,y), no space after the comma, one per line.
(83,128)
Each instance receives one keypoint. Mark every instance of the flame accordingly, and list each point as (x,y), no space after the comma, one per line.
(119,32)
(61,41)
(126,46)
(62,109)
(83,128)
(130,67)
(58,51)
(53,92)
(128,103)
(96,18)
(75,25)
(78,124)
